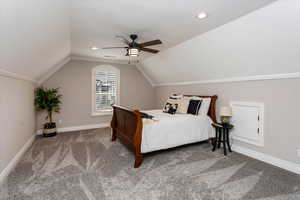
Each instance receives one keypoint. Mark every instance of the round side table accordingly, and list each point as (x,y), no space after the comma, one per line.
(222,136)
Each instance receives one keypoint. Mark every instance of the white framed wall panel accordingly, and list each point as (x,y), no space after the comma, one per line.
(248,120)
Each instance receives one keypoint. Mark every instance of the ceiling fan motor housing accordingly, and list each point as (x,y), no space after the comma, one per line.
(133,36)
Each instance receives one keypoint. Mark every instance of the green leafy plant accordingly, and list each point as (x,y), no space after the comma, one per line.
(48,100)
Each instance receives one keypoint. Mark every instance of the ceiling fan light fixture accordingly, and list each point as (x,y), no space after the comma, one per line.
(202,15)
(133,52)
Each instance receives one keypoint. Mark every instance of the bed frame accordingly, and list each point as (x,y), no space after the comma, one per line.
(127,126)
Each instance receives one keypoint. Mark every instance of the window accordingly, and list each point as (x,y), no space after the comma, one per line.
(105,89)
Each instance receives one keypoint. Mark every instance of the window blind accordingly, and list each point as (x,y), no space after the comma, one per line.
(106,89)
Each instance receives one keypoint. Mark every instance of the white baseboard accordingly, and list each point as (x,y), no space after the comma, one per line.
(284,164)
(13,163)
(77,128)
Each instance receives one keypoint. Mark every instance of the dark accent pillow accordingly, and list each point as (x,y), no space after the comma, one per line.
(146,116)
(170,108)
(194,107)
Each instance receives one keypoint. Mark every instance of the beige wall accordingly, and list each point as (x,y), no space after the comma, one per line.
(279,96)
(281,99)
(74,79)
(17,117)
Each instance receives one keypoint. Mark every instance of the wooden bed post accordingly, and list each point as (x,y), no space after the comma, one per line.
(113,125)
(127,126)
(212,108)
(138,140)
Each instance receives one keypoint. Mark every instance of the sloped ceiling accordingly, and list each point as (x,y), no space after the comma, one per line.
(263,42)
(97,22)
(35,36)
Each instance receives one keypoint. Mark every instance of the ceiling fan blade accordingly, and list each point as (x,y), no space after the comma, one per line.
(149,50)
(114,47)
(125,40)
(150,43)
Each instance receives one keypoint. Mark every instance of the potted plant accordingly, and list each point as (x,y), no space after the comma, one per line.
(48,100)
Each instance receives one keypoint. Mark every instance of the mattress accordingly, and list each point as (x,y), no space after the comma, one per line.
(167,131)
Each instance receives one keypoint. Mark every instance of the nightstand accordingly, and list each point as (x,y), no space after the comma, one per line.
(222,136)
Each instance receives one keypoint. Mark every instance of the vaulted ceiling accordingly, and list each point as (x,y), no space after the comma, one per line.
(260,45)
(96,23)
(34,35)
(37,35)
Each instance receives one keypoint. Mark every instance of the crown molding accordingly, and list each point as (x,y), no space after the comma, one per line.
(140,68)
(235,79)
(96,59)
(54,69)
(16,76)
(38,81)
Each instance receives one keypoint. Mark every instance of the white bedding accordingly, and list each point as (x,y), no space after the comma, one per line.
(167,131)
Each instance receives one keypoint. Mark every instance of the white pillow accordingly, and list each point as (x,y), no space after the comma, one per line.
(183,106)
(173,101)
(185,101)
(204,105)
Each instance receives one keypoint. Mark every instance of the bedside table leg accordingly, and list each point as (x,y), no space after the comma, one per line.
(219,137)
(214,144)
(215,141)
(224,142)
(227,139)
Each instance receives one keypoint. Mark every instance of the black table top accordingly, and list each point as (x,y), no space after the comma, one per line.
(220,125)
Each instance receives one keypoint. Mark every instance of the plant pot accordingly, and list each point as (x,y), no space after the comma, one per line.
(49,130)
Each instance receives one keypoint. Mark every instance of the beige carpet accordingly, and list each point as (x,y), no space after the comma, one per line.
(87,165)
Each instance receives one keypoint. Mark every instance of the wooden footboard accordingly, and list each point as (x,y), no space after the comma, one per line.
(127,126)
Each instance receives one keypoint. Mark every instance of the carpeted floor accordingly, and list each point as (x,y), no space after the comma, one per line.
(87,165)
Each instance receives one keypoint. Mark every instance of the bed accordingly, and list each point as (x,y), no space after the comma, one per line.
(164,131)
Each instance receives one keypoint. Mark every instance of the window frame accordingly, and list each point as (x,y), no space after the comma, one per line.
(104,68)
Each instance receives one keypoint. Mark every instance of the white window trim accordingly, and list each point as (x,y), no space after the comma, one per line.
(107,68)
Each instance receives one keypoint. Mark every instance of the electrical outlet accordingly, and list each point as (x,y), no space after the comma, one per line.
(60,121)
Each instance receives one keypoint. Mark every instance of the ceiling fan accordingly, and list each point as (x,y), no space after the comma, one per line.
(134,48)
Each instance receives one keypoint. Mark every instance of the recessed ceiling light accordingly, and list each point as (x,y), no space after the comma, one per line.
(202,15)
(94,48)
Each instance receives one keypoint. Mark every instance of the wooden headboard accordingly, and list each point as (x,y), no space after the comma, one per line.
(212,107)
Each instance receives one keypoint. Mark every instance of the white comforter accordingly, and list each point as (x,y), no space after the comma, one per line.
(167,131)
